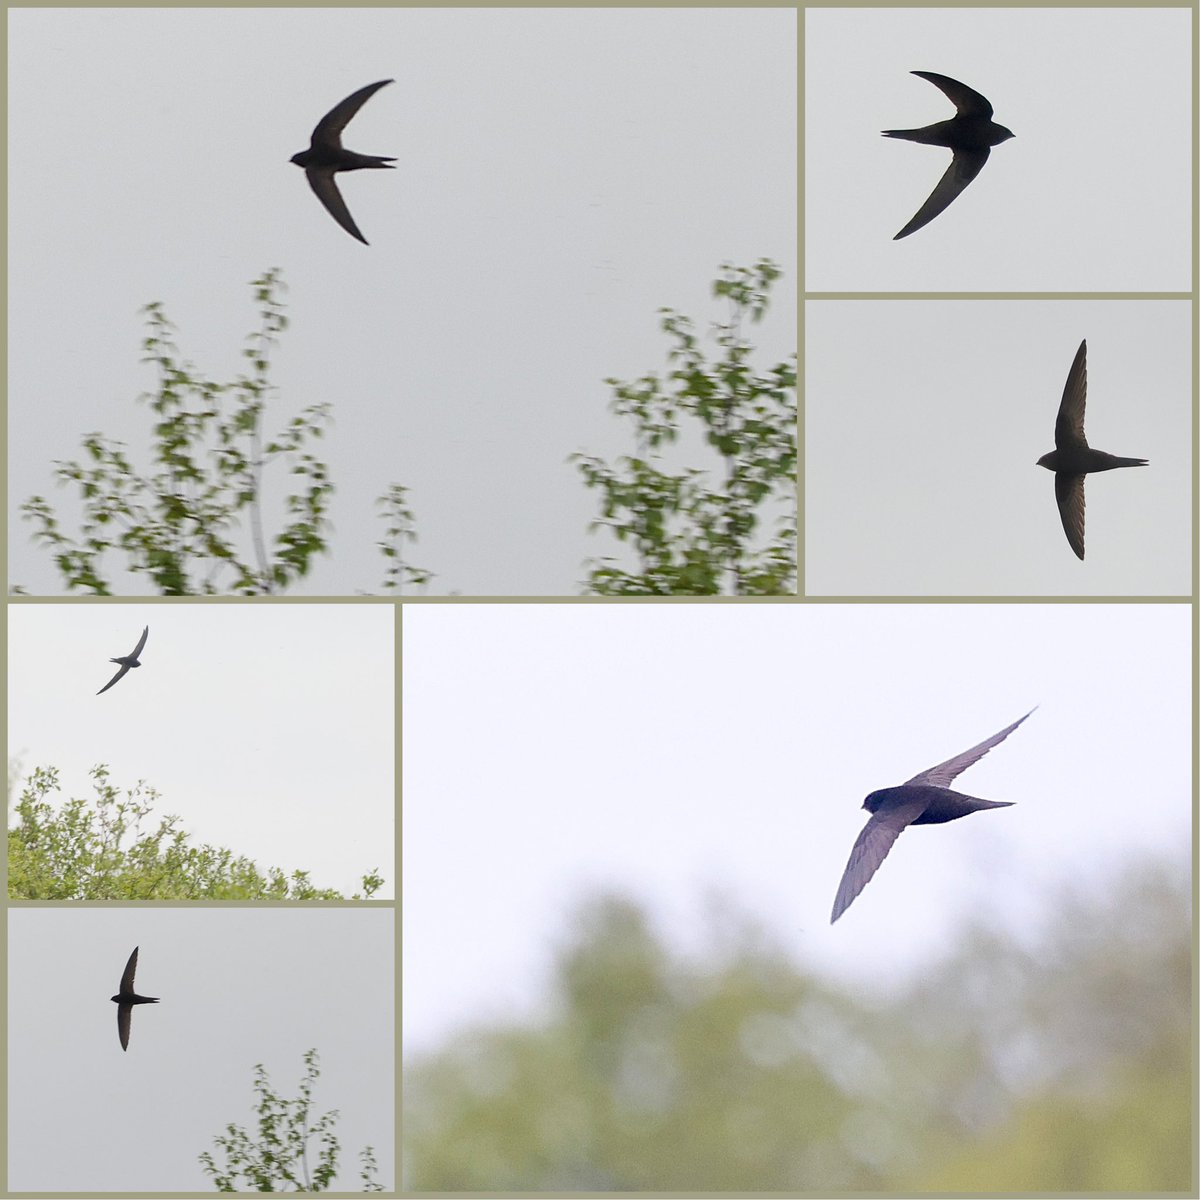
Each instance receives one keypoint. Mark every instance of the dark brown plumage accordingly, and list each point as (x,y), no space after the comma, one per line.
(926,799)
(126,998)
(325,156)
(128,662)
(1073,459)
(970,135)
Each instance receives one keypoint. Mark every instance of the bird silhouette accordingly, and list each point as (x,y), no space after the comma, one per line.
(128,662)
(970,134)
(325,156)
(925,799)
(1073,458)
(126,998)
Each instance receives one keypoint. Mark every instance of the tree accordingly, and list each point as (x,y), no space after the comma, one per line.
(179,522)
(1060,1062)
(280,1159)
(640,1079)
(76,853)
(195,521)
(689,539)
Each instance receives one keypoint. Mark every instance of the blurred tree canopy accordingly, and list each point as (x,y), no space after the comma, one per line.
(77,853)
(1063,1063)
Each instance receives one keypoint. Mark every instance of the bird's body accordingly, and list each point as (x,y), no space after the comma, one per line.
(126,998)
(326,156)
(939,804)
(128,662)
(970,135)
(1072,458)
(1083,460)
(925,799)
(959,133)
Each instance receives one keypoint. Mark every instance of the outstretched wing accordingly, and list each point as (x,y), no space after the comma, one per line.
(127,978)
(137,650)
(945,773)
(320,179)
(967,100)
(1068,427)
(870,850)
(328,132)
(119,675)
(124,1012)
(1068,491)
(964,166)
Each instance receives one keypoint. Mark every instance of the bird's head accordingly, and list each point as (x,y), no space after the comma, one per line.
(1045,461)
(873,802)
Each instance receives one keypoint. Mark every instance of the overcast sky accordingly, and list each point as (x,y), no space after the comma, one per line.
(1093,193)
(269,729)
(924,421)
(236,987)
(672,750)
(560,176)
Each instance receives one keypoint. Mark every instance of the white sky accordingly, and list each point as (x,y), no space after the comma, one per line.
(269,729)
(561,175)
(237,987)
(924,421)
(675,750)
(1092,194)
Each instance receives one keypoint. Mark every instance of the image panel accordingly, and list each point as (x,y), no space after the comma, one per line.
(1053,147)
(933,430)
(641,951)
(240,1013)
(201,751)
(236,395)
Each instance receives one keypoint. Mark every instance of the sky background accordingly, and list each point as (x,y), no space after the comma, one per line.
(269,729)
(561,175)
(237,987)
(1092,194)
(673,752)
(924,421)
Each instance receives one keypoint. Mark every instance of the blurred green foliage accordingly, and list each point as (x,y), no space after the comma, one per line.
(284,1159)
(1062,1062)
(194,522)
(98,851)
(690,538)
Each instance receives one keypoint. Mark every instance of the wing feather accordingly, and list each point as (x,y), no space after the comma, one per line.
(871,848)
(945,773)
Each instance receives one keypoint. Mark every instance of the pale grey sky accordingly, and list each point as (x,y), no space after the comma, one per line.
(236,987)
(675,750)
(1094,192)
(924,421)
(561,175)
(268,728)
